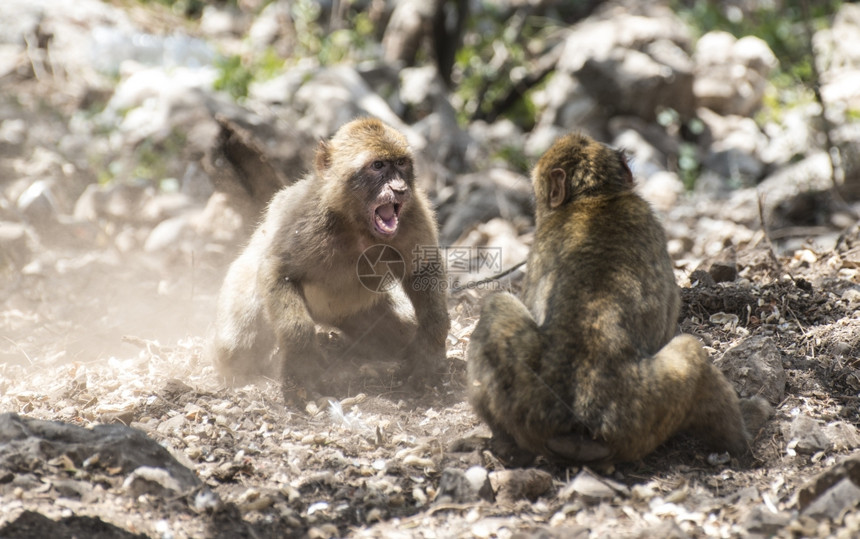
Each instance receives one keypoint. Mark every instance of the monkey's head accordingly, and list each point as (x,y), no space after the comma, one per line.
(577,166)
(367,168)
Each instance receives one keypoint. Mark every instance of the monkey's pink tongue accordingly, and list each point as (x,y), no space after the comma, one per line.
(386,211)
(386,219)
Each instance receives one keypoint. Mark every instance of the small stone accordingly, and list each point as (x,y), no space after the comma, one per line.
(754,366)
(762,521)
(724,272)
(592,487)
(807,435)
(456,486)
(149,480)
(518,484)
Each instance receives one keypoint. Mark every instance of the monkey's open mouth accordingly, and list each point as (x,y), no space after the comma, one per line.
(385,218)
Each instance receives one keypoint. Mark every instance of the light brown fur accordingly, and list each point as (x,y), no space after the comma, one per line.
(299,268)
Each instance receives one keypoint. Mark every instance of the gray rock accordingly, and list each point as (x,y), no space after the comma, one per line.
(25,441)
(33,524)
(39,205)
(566,105)
(754,366)
(848,468)
(597,36)
(838,59)
(456,486)
(167,233)
(762,520)
(636,83)
(150,480)
(842,497)
(217,22)
(333,96)
(422,90)
(806,434)
(273,27)
(632,64)
(842,436)
(477,198)
(117,201)
(792,136)
(645,159)
(736,148)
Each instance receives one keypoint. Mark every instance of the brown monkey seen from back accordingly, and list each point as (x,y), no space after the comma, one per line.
(587,367)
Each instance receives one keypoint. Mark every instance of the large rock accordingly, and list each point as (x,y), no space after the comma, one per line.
(26,444)
(737,146)
(480,197)
(16,244)
(565,105)
(633,64)
(732,74)
(425,97)
(642,83)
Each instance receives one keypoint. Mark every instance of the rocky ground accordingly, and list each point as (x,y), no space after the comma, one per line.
(119,214)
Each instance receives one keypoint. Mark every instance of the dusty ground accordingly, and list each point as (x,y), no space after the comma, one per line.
(91,338)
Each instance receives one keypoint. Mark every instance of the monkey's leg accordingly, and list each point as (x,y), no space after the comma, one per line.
(295,331)
(678,389)
(508,391)
(243,341)
(505,335)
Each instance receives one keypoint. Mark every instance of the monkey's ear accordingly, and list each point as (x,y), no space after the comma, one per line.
(557,187)
(322,159)
(625,168)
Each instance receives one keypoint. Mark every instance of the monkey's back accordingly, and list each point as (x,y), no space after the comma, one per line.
(615,302)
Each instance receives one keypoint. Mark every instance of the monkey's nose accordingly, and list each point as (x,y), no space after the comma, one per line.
(398,186)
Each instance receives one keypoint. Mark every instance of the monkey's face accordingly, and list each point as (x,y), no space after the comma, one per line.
(387,185)
(368,169)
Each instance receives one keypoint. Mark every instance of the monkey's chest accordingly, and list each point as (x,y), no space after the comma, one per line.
(330,303)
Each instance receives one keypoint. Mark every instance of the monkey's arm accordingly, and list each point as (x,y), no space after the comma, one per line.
(426,352)
(295,331)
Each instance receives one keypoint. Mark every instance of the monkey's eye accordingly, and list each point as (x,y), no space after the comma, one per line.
(377,165)
(401,162)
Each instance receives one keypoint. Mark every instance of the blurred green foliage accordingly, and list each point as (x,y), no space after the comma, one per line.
(782,26)
(234,76)
(153,158)
(352,43)
(495,55)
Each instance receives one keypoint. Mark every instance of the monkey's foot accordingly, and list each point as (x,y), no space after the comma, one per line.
(578,448)
(511,455)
